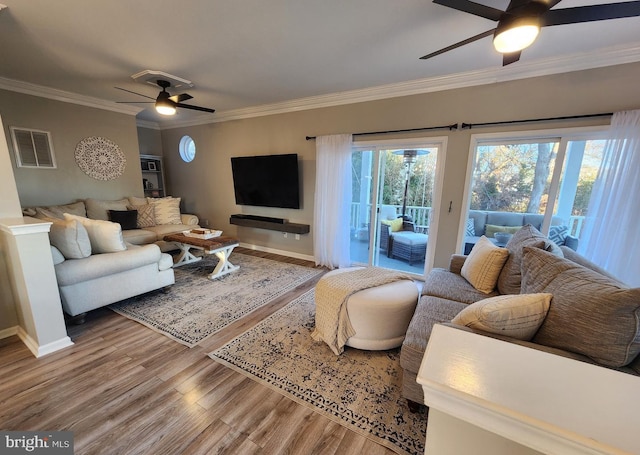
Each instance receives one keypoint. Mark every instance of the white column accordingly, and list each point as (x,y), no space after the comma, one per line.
(34,285)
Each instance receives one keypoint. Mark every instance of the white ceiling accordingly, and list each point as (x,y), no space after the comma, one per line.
(250,55)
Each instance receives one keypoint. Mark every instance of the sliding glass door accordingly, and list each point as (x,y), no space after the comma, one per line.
(394,191)
(538,178)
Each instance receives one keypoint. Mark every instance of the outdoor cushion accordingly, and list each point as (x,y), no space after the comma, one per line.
(589,314)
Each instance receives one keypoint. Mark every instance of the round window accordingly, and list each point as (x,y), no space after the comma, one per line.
(187,149)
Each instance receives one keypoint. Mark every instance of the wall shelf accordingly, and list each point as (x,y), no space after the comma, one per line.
(152,175)
(293,228)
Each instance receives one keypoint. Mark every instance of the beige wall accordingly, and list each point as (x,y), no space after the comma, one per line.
(206,184)
(68,125)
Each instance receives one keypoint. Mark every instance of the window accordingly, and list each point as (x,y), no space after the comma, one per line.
(543,178)
(187,149)
(33,148)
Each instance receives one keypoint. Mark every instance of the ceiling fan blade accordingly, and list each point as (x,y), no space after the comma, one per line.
(135,93)
(180,98)
(510,58)
(476,9)
(135,102)
(195,108)
(460,44)
(590,13)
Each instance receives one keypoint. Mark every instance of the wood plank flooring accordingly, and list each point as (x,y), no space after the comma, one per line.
(125,389)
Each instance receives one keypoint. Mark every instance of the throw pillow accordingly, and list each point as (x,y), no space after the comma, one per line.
(134,200)
(590,314)
(516,316)
(491,229)
(105,236)
(70,237)
(396,225)
(558,234)
(167,210)
(99,210)
(127,219)
(146,215)
(470,229)
(58,211)
(483,265)
(510,276)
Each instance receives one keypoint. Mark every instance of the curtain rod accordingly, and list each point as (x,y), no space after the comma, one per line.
(509,122)
(447,127)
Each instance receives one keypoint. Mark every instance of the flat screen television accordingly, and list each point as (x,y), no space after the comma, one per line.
(266,180)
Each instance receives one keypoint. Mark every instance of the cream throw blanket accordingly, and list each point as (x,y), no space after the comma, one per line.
(331,295)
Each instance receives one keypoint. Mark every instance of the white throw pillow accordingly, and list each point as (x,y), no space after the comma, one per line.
(70,237)
(515,315)
(167,210)
(105,236)
(483,265)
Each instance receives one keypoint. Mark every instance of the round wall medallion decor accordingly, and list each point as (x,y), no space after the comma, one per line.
(100,158)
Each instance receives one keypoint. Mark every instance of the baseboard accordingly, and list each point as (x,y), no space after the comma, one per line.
(6,333)
(39,351)
(290,254)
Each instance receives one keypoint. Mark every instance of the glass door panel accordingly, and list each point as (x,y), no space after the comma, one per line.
(510,186)
(393,232)
(582,161)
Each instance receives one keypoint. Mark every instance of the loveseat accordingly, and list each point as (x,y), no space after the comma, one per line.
(107,251)
(590,316)
(487,223)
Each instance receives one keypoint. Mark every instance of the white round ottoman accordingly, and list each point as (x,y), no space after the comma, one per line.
(380,316)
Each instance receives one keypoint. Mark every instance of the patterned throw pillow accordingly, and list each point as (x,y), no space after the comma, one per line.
(167,210)
(146,215)
(471,227)
(558,234)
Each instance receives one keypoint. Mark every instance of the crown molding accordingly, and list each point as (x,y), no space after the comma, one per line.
(64,96)
(556,65)
(576,62)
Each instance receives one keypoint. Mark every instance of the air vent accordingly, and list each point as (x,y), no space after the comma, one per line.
(151,77)
(33,148)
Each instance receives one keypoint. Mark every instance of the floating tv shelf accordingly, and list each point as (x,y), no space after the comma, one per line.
(294,228)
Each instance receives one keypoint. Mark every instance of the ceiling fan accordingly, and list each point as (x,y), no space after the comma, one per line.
(519,25)
(166,104)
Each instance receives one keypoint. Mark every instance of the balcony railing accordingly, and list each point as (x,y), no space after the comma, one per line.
(421,217)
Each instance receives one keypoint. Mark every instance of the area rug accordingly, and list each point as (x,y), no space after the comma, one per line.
(196,307)
(358,389)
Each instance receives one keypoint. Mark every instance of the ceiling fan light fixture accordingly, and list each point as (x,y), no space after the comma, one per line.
(515,35)
(164,105)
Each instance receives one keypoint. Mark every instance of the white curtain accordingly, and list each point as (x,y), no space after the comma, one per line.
(612,229)
(331,219)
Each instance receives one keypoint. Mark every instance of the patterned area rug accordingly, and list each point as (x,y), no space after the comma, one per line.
(359,389)
(197,307)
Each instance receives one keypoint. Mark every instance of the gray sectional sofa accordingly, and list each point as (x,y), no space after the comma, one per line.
(485,221)
(107,251)
(592,317)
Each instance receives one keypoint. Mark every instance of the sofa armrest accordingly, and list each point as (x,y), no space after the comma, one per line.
(456,262)
(188,219)
(74,271)
(571,242)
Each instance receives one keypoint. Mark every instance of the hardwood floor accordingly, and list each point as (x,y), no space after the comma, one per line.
(125,389)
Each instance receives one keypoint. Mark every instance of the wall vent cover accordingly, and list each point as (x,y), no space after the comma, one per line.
(33,148)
